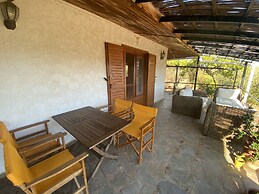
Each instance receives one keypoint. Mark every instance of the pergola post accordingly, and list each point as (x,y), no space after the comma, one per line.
(176,77)
(249,84)
(243,76)
(197,71)
(235,79)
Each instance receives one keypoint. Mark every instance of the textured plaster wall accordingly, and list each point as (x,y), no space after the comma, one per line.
(54,61)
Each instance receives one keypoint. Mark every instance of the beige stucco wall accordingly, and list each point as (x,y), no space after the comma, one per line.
(54,61)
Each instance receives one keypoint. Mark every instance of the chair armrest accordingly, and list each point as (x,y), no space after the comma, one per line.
(42,141)
(30,126)
(105,106)
(110,108)
(147,124)
(127,114)
(57,170)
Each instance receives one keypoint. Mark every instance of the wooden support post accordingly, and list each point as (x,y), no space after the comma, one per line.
(176,77)
(235,79)
(197,71)
(249,84)
(243,76)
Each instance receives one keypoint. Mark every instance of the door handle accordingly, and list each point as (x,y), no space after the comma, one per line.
(105,78)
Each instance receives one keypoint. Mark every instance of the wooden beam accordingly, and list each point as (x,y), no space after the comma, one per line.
(202,18)
(214,7)
(253,51)
(244,42)
(251,4)
(234,55)
(207,45)
(180,2)
(144,1)
(216,32)
(247,13)
(200,67)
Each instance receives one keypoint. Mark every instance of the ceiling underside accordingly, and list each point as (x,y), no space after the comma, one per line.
(133,17)
(223,27)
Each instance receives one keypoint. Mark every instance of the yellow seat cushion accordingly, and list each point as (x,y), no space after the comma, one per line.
(15,168)
(121,105)
(133,129)
(18,173)
(50,164)
(142,114)
(5,136)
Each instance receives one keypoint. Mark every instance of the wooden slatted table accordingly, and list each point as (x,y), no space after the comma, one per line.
(91,127)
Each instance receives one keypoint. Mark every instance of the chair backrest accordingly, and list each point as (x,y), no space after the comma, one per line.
(143,113)
(228,93)
(5,136)
(121,105)
(15,168)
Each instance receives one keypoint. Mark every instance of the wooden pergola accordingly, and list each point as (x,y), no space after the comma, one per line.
(187,27)
(221,27)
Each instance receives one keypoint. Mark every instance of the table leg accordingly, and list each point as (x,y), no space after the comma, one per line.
(104,154)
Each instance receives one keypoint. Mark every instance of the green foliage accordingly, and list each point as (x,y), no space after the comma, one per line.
(250,133)
(185,73)
(208,79)
(254,88)
(183,62)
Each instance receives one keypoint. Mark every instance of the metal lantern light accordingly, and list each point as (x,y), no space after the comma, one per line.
(11,13)
(162,55)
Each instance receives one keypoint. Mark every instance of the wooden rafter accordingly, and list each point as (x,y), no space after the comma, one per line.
(221,19)
(215,32)
(214,12)
(229,51)
(145,1)
(195,38)
(214,7)
(247,13)
(208,45)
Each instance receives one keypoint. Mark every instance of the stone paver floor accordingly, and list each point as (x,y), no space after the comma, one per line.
(183,161)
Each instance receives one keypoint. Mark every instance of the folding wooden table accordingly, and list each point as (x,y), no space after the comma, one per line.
(91,127)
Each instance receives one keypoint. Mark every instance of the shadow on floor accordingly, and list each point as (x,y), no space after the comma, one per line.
(183,161)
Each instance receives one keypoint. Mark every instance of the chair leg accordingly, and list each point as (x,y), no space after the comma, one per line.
(77,183)
(85,179)
(153,139)
(140,151)
(118,140)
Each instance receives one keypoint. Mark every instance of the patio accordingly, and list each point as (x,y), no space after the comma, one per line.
(183,161)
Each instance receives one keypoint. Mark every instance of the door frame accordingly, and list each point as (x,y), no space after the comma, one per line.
(145,54)
(135,51)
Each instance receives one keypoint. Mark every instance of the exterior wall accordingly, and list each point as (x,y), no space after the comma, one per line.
(54,61)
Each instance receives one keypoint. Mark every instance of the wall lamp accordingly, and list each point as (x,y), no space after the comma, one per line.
(162,55)
(11,14)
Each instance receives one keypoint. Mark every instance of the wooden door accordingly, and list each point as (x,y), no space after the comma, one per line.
(151,79)
(140,67)
(115,72)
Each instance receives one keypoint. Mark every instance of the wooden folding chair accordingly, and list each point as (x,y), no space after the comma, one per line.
(142,124)
(46,176)
(36,145)
(121,108)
